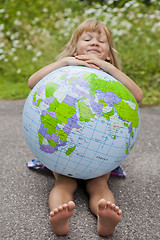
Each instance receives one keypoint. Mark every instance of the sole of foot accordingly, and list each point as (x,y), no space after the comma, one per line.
(59,218)
(109,215)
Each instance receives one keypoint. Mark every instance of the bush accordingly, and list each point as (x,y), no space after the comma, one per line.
(32,34)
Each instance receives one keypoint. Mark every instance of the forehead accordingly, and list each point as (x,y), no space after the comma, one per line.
(101,33)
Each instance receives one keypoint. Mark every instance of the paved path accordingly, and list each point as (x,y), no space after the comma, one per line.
(24,193)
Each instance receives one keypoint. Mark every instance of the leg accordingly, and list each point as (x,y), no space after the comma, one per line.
(102,204)
(61,203)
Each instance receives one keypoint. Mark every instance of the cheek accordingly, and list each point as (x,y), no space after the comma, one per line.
(105,52)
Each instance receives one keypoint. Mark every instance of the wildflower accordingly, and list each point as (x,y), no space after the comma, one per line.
(35,20)
(38,54)
(15,43)
(45,10)
(1,51)
(1,27)
(8,33)
(19,70)
(29,47)
(13,50)
(2,10)
(2,44)
(18,13)
(34,59)
(15,58)
(2,56)
(17,22)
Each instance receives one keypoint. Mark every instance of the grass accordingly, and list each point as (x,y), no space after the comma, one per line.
(33,34)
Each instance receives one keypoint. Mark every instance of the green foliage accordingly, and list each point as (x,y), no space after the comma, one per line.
(33,33)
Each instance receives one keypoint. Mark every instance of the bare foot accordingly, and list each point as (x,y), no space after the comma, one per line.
(109,216)
(59,218)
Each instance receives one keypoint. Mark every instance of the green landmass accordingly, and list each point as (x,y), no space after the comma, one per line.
(108,114)
(70,150)
(50,89)
(127,113)
(85,112)
(108,86)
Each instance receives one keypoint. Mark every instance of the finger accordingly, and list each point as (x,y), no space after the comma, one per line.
(82,57)
(94,66)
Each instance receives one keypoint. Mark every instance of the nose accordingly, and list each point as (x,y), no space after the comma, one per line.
(94,42)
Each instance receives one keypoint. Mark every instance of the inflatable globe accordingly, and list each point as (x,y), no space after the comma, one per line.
(80,122)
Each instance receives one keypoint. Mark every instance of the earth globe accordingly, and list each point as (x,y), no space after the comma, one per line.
(80,122)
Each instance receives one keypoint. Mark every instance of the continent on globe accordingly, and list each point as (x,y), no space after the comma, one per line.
(86,121)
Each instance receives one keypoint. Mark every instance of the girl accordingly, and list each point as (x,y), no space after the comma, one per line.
(91,46)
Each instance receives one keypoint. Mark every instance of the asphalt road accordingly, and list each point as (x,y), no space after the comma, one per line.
(24,192)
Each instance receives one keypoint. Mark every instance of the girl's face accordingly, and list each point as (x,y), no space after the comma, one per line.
(93,43)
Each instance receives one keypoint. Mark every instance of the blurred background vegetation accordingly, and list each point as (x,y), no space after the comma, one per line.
(33,33)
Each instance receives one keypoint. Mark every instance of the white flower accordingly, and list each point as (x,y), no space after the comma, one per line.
(18,13)
(34,59)
(17,22)
(1,27)
(2,10)
(158,51)
(126,24)
(19,70)
(12,37)
(2,44)
(110,2)
(15,58)
(26,41)
(1,50)
(35,20)
(139,15)
(2,56)
(13,50)
(38,54)
(136,5)
(16,43)
(45,10)
(89,11)
(29,47)
(6,60)
(8,33)
(155,27)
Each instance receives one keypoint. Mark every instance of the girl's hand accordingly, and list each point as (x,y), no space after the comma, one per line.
(75,61)
(94,62)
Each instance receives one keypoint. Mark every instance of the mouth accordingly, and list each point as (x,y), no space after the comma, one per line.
(94,50)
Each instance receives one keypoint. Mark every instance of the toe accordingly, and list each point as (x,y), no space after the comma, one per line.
(119,212)
(108,204)
(55,210)
(102,204)
(51,214)
(60,208)
(70,206)
(113,206)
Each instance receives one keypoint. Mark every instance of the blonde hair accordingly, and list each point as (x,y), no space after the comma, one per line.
(90,25)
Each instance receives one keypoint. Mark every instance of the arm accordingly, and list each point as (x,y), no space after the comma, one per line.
(116,73)
(37,76)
